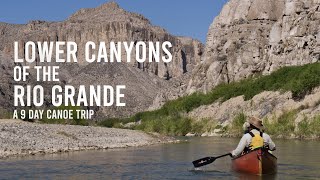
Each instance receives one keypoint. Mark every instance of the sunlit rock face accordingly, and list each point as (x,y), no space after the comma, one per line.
(253,37)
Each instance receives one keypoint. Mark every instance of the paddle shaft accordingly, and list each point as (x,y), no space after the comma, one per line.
(207,160)
(229,154)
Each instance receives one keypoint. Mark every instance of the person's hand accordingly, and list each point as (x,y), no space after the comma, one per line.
(230,154)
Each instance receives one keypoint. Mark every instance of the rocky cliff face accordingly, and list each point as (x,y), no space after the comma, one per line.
(253,37)
(106,23)
(6,81)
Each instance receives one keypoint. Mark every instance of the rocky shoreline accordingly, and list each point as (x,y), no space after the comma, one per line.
(19,138)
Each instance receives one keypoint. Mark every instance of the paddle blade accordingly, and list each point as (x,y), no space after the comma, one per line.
(203,161)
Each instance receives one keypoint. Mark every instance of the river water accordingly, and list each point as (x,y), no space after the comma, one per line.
(296,160)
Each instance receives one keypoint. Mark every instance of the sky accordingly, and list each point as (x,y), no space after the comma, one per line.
(190,18)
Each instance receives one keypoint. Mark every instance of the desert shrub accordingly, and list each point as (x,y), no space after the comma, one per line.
(167,126)
(236,128)
(204,125)
(284,125)
(309,127)
(314,126)
(304,129)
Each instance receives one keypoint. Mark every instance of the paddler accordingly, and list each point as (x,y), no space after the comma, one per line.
(253,138)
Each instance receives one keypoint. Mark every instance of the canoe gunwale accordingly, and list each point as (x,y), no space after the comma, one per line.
(263,149)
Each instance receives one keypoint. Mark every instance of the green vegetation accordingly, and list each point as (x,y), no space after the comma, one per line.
(113,122)
(304,129)
(168,126)
(171,119)
(4,114)
(309,128)
(285,126)
(315,126)
(236,128)
(204,125)
(74,121)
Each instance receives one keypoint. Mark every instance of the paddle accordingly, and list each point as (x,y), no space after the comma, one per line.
(207,160)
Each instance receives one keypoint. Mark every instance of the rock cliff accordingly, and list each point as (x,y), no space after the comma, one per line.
(108,22)
(248,38)
(254,37)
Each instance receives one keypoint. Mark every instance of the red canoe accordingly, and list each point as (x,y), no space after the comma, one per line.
(256,162)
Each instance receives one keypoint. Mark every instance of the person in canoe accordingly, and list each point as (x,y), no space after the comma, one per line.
(253,138)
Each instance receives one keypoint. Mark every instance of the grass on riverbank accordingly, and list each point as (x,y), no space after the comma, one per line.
(171,119)
(282,127)
(285,126)
(236,127)
(309,128)
(175,126)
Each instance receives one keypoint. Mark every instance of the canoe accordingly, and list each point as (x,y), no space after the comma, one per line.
(257,162)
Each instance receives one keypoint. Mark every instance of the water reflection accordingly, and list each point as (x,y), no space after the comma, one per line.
(296,160)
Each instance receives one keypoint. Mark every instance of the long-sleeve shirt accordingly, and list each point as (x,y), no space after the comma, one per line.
(246,141)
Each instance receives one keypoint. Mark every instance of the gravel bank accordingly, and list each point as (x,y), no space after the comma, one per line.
(23,138)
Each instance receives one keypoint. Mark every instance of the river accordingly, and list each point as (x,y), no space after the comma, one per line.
(296,160)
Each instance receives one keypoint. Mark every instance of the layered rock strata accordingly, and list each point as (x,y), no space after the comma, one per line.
(253,37)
